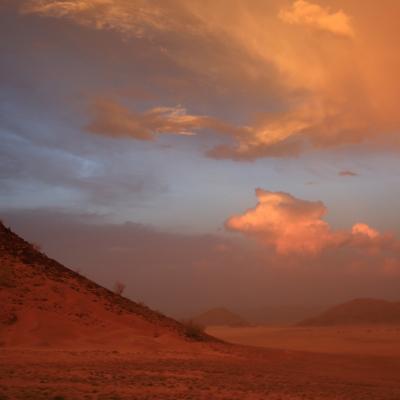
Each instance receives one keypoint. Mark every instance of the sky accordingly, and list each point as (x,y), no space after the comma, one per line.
(206,153)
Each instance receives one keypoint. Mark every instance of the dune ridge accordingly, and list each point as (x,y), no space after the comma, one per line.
(43,303)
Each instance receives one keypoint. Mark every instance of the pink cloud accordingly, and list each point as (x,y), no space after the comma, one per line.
(364,229)
(293,226)
(288,224)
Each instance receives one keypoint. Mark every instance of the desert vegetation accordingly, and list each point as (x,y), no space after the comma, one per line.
(193,330)
(119,288)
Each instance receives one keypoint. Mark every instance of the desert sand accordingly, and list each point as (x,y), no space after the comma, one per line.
(195,371)
(363,340)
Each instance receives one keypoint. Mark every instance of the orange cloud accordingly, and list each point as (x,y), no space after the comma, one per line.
(331,92)
(292,225)
(137,17)
(111,118)
(305,13)
(288,224)
(363,229)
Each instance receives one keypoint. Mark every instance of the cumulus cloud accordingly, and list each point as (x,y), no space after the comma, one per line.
(294,226)
(288,224)
(305,13)
(364,229)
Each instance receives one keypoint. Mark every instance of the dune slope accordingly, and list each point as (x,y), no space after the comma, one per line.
(44,303)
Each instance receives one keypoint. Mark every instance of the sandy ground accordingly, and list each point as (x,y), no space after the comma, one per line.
(199,371)
(364,340)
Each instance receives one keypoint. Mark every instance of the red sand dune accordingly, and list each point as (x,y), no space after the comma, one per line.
(45,304)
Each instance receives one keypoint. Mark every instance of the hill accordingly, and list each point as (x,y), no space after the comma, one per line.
(280,315)
(44,303)
(358,312)
(219,316)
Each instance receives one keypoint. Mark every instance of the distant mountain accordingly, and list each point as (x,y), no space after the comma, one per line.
(358,312)
(219,316)
(44,303)
(280,315)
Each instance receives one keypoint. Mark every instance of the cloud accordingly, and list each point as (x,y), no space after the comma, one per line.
(288,224)
(363,229)
(303,12)
(112,119)
(294,226)
(136,17)
(347,172)
(280,89)
(268,136)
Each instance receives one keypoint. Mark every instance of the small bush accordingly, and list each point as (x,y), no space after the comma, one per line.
(119,288)
(36,246)
(193,330)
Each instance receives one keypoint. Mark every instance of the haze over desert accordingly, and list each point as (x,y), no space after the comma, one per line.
(199,200)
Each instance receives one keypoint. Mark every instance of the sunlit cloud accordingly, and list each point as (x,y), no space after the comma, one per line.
(288,224)
(303,12)
(293,226)
(333,90)
(364,229)
(136,17)
(113,119)
(110,118)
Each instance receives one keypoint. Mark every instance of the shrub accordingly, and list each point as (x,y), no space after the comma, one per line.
(36,246)
(193,330)
(119,288)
